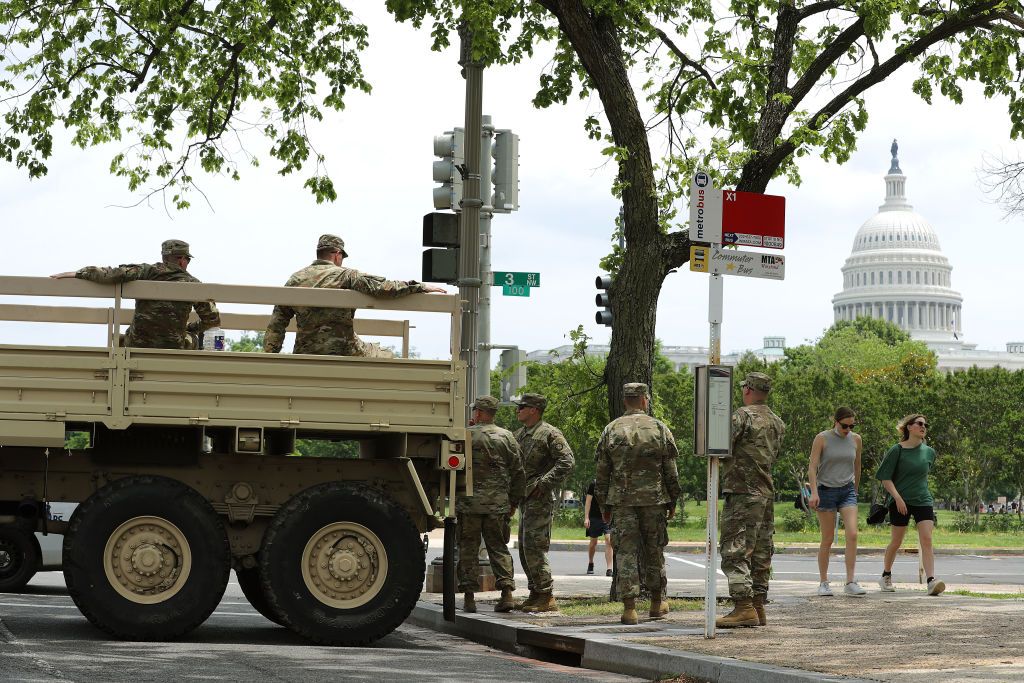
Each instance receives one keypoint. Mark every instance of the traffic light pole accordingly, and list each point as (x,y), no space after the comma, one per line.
(469,226)
(483,360)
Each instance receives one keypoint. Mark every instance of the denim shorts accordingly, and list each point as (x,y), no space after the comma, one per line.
(831,499)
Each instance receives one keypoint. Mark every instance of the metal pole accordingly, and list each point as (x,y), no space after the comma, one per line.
(483,360)
(715,301)
(469,226)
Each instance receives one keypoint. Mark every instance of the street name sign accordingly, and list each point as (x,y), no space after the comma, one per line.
(750,219)
(515,290)
(705,209)
(747,264)
(508,278)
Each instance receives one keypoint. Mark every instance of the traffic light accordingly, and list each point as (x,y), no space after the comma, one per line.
(513,373)
(441,230)
(451,147)
(604,300)
(506,172)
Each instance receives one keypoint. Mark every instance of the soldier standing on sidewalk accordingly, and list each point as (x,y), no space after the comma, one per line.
(498,483)
(548,460)
(748,520)
(638,484)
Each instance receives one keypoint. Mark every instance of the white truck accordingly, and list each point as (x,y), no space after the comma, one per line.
(190,468)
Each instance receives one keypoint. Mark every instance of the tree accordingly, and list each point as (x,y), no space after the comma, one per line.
(742,89)
(173,79)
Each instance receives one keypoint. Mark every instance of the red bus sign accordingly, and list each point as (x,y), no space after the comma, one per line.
(753,220)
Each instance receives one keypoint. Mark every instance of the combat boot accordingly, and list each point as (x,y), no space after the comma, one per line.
(629,615)
(545,603)
(759,602)
(506,603)
(469,603)
(659,607)
(526,604)
(742,615)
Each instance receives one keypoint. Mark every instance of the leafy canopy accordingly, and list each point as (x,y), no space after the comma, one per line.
(177,81)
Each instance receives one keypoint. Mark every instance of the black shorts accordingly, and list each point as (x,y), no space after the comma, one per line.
(598,528)
(920,513)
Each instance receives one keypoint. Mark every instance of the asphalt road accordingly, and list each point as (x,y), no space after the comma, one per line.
(953,569)
(43,637)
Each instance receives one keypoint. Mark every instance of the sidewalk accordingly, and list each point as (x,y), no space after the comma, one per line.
(905,636)
(795,548)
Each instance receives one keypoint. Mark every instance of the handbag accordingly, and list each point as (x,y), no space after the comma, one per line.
(879,511)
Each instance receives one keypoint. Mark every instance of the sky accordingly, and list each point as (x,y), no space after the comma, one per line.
(379,153)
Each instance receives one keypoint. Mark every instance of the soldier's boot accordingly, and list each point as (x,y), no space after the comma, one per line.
(659,606)
(629,615)
(545,603)
(469,603)
(743,614)
(526,604)
(506,603)
(759,601)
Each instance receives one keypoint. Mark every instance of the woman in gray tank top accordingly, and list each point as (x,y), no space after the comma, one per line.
(834,474)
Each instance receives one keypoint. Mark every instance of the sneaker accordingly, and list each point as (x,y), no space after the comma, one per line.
(885,583)
(853,588)
(935,587)
(590,568)
(824,589)
(607,572)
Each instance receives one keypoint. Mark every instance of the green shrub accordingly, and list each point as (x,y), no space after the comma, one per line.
(1001,523)
(569,517)
(793,520)
(962,523)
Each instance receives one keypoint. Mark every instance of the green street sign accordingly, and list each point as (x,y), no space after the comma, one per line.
(505,279)
(515,290)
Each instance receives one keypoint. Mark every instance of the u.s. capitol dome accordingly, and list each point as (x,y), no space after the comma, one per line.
(897,272)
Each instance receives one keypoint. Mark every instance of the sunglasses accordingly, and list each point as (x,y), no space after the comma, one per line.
(847,426)
(920,423)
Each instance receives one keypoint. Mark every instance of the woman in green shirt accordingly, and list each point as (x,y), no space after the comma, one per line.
(904,474)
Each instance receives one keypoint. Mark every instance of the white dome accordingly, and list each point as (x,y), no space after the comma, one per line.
(896,271)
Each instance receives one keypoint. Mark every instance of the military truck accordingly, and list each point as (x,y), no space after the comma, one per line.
(188,468)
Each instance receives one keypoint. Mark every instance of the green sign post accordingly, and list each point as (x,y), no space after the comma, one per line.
(508,278)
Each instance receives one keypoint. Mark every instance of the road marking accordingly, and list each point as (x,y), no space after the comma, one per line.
(29,604)
(695,564)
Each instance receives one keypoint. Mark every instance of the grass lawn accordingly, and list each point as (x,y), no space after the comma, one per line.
(599,607)
(868,536)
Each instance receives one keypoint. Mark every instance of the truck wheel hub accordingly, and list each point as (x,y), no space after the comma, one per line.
(344,565)
(147,560)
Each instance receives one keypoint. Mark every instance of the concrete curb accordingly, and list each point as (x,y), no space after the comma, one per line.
(808,549)
(607,652)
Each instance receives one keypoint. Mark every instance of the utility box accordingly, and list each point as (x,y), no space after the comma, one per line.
(712,411)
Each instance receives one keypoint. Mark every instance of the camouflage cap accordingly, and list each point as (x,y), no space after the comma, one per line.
(328,241)
(174,248)
(758,381)
(485,403)
(533,401)
(634,389)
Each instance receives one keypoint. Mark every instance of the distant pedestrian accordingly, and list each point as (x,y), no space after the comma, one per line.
(547,460)
(498,481)
(748,520)
(834,471)
(637,488)
(596,528)
(904,474)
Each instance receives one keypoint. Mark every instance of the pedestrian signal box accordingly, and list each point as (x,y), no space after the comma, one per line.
(712,411)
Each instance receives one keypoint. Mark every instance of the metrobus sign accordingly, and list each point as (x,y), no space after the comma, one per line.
(753,220)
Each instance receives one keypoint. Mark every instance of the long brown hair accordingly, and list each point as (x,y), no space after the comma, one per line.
(843,412)
(903,427)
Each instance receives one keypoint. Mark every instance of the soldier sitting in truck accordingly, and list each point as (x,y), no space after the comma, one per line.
(158,324)
(329,331)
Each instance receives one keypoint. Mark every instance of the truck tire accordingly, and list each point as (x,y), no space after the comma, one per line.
(19,558)
(146,558)
(252,589)
(342,564)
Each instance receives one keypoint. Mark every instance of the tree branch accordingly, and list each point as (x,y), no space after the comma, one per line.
(817,7)
(836,49)
(682,57)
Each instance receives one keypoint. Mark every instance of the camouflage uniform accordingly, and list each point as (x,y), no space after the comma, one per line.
(159,324)
(547,460)
(329,331)
(637,480)
(498,483)
(748,520)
